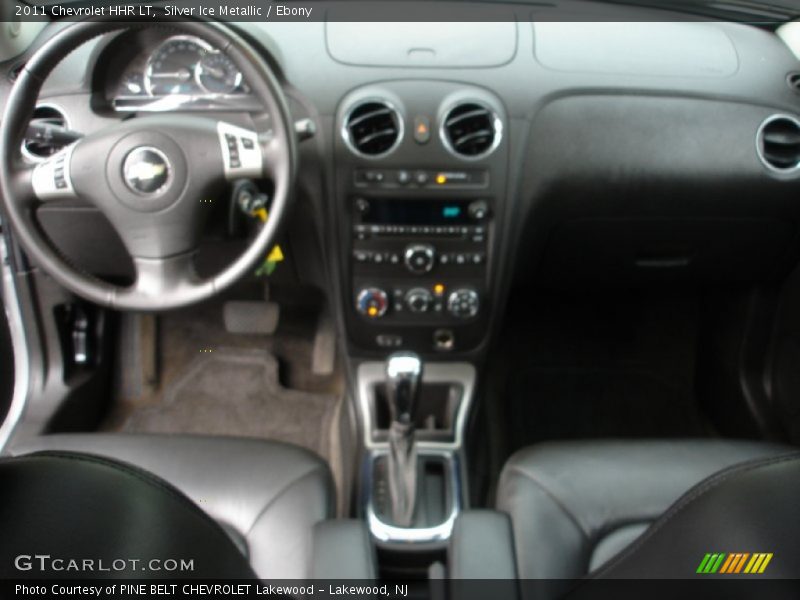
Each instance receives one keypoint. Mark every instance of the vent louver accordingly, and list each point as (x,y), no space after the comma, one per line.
(793,80)
(373,128)
(471,130)
(40,149)
(779,143)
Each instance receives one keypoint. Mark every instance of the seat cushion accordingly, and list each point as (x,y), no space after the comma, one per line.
(267,495)
(575,505)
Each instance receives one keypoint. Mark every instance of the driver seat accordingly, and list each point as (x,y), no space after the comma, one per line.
(267,496)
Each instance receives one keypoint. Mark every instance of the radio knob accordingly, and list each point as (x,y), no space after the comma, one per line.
(418,300)
(478,210)
(372,302)
(463,303)
(420,258)
(361,205)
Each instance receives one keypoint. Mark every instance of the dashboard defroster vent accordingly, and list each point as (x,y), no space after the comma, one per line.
(39,149)
(779,143)
(373,128)
(471,130)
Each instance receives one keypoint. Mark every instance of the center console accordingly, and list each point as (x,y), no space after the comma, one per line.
(421,170)
(420,261)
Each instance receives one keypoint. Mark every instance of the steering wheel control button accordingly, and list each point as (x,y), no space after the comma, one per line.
(233,151)
(241,154)
(420,258)
(463,303)
(372,302)
(51,179)
(146,170)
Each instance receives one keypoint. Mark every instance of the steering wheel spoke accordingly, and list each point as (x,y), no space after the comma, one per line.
(159,277)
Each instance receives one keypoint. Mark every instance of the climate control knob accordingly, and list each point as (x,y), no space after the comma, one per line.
(418,300)
(372,302)
(420,258)
(463,303)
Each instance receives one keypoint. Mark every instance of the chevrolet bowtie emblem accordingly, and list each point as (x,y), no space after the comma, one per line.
(146,170)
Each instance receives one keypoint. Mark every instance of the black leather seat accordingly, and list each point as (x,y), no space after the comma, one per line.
(68,515)
(268,496)
(573,506)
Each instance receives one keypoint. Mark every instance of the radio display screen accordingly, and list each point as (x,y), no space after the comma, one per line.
(417,212)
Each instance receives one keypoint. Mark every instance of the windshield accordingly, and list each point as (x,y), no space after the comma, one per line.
(757,12)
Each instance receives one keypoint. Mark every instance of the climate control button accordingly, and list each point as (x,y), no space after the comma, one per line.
(463,303)
(372,302)
(420,258)
(419,300)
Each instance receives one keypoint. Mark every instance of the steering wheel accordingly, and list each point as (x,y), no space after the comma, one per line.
(148,176)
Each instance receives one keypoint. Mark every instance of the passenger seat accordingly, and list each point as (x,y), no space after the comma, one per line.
(633,509)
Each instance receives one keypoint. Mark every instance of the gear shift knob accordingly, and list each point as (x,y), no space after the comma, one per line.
(403,385)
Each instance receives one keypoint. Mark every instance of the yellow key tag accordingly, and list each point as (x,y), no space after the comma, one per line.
(276,254)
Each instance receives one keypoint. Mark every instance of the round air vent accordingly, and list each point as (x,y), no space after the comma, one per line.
(471,130)
(779,143)
(40,149)
(373,128)
(793,80)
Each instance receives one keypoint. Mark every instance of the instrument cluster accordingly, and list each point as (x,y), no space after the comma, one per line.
(178,72)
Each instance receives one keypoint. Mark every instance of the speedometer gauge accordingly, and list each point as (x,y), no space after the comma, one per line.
(171,69)
(217,74)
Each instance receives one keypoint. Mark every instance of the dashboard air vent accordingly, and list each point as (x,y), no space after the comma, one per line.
(373,128)
(793,79)
(471,130)
(779,143)
(38,149)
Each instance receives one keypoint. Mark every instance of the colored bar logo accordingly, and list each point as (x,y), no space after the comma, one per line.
(734,563)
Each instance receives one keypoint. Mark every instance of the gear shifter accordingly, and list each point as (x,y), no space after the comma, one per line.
(403,385)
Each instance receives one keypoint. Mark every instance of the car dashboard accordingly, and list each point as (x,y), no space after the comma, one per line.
(452,167)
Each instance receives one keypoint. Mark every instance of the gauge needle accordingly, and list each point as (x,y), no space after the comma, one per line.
(180,75)
(213,71)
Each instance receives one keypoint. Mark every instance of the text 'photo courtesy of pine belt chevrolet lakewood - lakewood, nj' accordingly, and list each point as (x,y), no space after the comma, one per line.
(441,299)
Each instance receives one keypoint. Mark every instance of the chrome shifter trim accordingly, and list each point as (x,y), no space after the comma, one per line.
(385,532)
(372,373)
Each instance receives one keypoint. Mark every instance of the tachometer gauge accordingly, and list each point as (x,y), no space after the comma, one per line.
(171,69)
(132,85)
(217,74)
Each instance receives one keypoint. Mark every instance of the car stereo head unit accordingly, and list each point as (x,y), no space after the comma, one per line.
(397,211)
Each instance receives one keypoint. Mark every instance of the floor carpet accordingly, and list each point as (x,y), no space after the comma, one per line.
(237,392)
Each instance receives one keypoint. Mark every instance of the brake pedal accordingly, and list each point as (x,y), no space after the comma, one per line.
(323,355)
(251,318)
